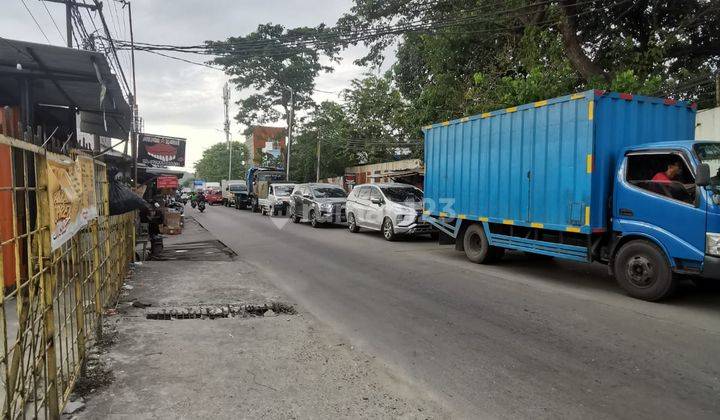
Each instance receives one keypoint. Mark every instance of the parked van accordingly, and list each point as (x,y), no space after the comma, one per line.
(395,209)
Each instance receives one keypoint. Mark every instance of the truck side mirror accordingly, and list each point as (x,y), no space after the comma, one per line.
(702,178)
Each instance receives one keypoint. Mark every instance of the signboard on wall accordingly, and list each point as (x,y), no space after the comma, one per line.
(167,181)
(161,151)
(71,186)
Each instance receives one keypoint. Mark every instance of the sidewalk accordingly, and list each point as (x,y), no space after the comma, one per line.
(282,366)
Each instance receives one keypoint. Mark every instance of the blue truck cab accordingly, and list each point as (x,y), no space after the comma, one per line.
(681,217)
(594,176)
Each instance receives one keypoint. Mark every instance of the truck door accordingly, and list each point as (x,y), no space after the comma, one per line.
(668,212)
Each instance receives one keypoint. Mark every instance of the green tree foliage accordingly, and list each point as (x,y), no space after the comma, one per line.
(273,73)
(477,55)
(329,125)
(377,115)
(213,166)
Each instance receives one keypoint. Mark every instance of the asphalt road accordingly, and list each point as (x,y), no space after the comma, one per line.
(521,339)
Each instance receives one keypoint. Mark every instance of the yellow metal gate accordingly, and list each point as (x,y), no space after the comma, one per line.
(52,302)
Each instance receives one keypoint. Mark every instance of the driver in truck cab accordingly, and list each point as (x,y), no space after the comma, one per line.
(672,173)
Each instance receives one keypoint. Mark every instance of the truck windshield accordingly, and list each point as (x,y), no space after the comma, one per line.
(283,190)
(328,192)
(710,153)
(403,194)
(270,176)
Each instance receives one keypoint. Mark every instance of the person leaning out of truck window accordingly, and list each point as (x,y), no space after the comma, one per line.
(672,173)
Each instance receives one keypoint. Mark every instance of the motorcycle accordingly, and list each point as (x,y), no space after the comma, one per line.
(193,204)
(201,206)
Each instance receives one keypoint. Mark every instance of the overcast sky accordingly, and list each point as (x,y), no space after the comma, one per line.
(176,98)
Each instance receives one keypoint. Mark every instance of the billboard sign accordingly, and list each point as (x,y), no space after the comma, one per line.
(161,151)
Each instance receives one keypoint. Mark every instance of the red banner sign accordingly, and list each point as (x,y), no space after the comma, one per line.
(167,182)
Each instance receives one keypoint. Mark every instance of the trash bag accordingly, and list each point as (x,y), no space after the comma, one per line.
(123,200)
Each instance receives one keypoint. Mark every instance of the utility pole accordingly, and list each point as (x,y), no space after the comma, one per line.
(133,101)
(226,101)
(290,128)
(317,176)
(69,4)
(717,89)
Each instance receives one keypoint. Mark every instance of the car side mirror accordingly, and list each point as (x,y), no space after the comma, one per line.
(377,201)
(702,178)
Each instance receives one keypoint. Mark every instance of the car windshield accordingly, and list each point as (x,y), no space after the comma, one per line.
(403,194)
(328,192)
(710,153)
(283,190)
(238,187)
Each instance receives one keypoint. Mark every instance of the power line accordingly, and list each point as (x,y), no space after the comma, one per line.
(36,22)
(54,23)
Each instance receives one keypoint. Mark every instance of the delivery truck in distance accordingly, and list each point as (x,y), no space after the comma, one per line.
(594,176)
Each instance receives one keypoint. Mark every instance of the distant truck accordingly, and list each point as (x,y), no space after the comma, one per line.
(276,200)
(257,181)
(229,190)
(594,176)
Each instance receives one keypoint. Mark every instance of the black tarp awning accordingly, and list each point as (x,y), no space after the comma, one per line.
(66,77)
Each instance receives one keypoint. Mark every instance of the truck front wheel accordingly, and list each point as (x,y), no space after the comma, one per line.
(643,271)
(478,248)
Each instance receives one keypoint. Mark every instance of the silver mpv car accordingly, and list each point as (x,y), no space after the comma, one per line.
(394,209)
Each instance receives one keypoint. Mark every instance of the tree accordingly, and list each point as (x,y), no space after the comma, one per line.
(376,113)
(328,125)
(213,166)
(474,54)
(272,69)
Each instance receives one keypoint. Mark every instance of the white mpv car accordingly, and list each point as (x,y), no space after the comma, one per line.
(395,209)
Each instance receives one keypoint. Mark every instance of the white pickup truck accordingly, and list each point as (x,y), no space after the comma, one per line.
(277,199)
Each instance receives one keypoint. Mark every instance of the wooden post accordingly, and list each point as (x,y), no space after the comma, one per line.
(46,287)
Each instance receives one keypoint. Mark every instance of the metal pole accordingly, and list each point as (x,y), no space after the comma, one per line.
(717,89)
(317,176)
(226,102)
(68,22)
(133,133)
(290,127)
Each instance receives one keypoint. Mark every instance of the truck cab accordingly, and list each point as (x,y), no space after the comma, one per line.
(665,216)
(258,179)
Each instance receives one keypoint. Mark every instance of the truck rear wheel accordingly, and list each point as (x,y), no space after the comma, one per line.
(641,269)
(477,247)
(255,205)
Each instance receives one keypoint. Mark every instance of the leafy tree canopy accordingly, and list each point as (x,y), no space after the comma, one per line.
(272,69)
(213,166)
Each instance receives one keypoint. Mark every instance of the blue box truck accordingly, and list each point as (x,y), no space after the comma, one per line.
(594,176)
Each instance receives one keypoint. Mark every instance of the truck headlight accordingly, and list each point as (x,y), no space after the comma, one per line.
(712,244)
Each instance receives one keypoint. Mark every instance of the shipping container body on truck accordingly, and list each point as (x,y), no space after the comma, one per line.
(572,177)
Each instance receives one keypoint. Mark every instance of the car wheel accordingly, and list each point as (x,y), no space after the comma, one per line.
(641,269)
(352,224)
(313,219)
(295,219)
(478,248)
(388,230)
